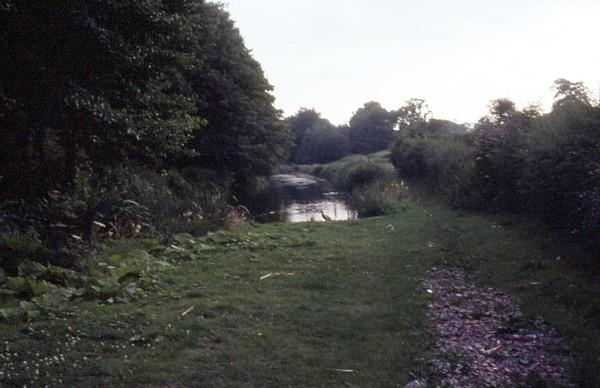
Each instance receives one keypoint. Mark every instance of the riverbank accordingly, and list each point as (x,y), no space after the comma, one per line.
(371,182)
(336,303)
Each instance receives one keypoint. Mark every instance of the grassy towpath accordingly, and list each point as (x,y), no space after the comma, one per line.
(315,304)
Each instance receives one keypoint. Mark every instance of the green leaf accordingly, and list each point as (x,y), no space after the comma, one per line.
(5,292)
(17,284)
(52,301)
(40,287)
(31,268)
(9,314)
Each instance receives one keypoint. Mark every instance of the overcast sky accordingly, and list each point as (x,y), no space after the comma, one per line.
(335,55)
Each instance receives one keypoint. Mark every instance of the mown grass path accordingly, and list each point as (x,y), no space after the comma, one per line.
(339,304)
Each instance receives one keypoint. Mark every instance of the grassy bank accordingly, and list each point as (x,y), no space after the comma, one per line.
(338,304)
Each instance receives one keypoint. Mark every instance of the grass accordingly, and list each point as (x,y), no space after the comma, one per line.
(341,296)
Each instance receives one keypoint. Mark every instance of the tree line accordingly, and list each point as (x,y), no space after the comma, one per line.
(372,128)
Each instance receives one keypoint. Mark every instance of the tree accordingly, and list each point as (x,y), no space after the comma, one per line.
(316,140)
(93,83)
(323,143)
(300,124)
(568,92)
(499,137)
(93,80)
(244,134)
(371,129)
(413,114)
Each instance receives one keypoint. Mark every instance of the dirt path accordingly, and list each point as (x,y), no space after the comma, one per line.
(483,341)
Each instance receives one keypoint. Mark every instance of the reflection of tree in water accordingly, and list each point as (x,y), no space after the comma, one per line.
(300,198)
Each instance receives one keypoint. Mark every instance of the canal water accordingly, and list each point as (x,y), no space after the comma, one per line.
(298,197)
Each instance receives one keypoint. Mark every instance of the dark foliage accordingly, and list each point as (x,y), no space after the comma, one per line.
(371,129)
(316,140)
(547,165)
(88,86)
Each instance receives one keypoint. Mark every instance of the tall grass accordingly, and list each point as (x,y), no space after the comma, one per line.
(370,180)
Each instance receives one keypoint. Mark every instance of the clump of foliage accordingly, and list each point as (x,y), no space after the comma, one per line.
(522,161)
(87,86)
(39,289)
(444,162)
(316,140)
(370,180)
(166,88)
(32,287)
(380,197)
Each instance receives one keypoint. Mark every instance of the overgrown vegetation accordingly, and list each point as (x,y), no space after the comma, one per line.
(339,301)
(519,161)
(120,272)
(369,179)
(124,119)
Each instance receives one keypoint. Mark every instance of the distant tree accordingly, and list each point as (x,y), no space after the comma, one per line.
(414,113)
(316,139)
(301,123)
(371,129)
(570,92)
(437,126)
(324,143)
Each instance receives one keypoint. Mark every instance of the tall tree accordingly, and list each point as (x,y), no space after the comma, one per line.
(244,133)
(371,128)
(300,124)
(413,114)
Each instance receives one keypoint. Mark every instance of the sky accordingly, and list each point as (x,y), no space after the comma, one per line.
(458,55)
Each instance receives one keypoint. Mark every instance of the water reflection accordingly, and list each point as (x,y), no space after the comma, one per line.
(298,197)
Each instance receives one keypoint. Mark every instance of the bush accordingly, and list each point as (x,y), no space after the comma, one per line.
(561,176)
(122,203)
(140,201)
(366,174)
(370,180)
(379,197)
(447,163)
(409,158)
(518,161)
(355,171)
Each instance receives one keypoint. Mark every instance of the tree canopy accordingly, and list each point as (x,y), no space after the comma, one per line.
(371,128)
(90,84)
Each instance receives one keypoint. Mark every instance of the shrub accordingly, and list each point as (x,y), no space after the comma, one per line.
(518,161)
(172,201)
(561,176)
(408,156)
(365,174)
(447,163)
(354,171)
(379,197)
